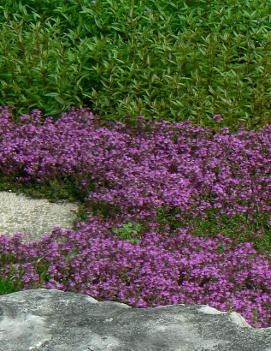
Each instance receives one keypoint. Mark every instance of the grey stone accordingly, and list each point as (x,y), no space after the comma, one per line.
(33,217)
(53,320)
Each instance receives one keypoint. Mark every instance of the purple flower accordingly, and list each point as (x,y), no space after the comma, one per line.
(218,118)
(168,168)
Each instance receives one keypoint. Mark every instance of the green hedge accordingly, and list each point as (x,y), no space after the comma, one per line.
(125,58)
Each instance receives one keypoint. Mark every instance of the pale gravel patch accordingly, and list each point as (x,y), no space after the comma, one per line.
(33,217)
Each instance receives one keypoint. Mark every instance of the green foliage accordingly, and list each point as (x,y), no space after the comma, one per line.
(239,228)
(128,232)
(7,287)
(82,213)
(166,60)
(14,283)
(66,187)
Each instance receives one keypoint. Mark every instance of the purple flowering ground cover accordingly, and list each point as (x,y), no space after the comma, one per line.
(137,174)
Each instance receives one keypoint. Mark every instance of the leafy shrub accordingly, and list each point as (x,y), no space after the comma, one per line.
(165,60)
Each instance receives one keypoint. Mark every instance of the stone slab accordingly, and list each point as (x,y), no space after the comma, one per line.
(53,320)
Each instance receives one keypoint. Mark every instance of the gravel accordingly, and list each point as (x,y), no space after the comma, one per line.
(33,217)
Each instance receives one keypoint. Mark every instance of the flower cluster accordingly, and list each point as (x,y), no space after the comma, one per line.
(175,166)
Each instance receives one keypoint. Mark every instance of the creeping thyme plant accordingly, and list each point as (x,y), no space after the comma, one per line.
(172,177)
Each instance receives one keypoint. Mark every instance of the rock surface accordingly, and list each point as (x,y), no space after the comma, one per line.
(33,217)
(53,320)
